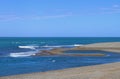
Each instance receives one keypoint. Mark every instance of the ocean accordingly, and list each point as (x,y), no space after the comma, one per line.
(15,54)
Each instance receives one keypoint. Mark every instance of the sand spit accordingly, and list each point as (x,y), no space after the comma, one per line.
(110,46)
(105,71)
(106,44)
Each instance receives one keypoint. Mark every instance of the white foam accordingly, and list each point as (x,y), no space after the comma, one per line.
(53,61)
(22,54)
(58,46)
(76,45)
(46,46)
(29,47)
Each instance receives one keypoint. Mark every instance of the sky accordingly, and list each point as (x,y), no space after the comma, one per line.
(59,18)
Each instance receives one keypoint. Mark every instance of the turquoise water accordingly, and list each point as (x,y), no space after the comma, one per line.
(15,54)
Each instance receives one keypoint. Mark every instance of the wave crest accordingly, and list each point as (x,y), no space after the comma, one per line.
(28,47)
(58,46)
(22,54)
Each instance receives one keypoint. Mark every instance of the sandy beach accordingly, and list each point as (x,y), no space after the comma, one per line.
(59,39)
(104,71)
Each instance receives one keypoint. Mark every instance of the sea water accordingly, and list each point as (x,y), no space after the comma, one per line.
(15,54)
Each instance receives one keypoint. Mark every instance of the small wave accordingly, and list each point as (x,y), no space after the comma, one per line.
(76,45)
(46,46)
(58,46)
(22,54)
(28,47)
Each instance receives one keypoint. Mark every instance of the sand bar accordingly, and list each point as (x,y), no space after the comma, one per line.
(109,46)
(104,71)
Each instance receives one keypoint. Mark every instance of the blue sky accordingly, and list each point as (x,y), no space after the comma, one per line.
(60,18)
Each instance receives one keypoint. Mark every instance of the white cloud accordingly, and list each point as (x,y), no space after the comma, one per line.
(35,17)
(52,16)
(9,17)
(116,6)
(110,10)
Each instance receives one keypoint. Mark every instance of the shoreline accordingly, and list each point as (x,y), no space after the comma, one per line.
(109,46)
(103,71)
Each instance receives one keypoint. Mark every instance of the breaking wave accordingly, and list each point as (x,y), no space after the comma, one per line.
(22,54)
(58,46)
(35,50)
(46,46)
(28,47)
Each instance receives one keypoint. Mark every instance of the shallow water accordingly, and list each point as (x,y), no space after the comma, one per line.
(21,64)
